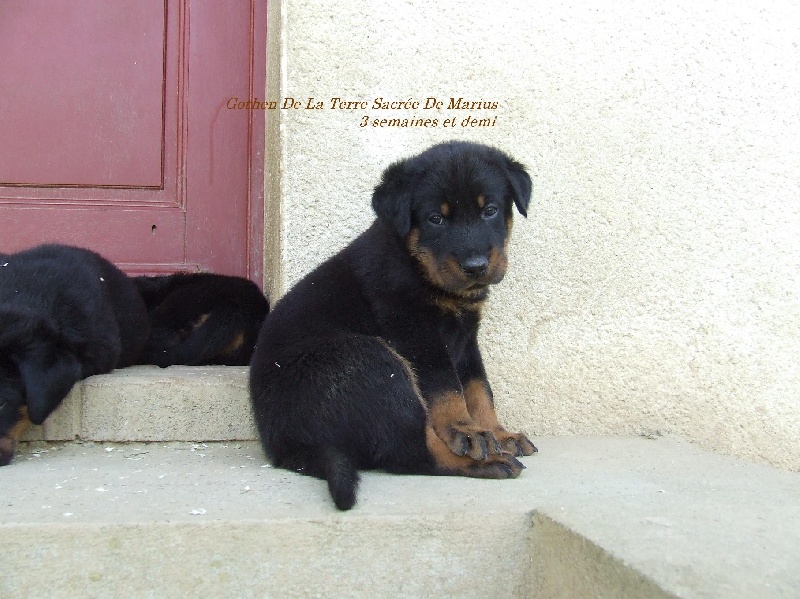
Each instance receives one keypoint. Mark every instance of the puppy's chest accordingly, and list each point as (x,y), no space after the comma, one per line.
(455,332)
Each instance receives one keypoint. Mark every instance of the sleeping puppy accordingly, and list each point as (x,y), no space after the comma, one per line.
(65,314)
(372,360)
(201,318)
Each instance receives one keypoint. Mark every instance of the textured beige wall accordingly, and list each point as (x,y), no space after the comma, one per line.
(655,287)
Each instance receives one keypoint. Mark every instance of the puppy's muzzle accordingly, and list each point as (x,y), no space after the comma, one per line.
(475,266)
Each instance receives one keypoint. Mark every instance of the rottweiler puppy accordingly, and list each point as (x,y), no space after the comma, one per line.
(372,360)
(201,318)
(66,313)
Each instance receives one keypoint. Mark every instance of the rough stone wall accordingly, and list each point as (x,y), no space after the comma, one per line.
(655,286)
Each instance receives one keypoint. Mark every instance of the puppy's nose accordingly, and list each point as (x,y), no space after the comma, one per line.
(475,266)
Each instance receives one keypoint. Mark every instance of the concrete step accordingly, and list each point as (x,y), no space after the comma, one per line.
(589,517)
(147,403)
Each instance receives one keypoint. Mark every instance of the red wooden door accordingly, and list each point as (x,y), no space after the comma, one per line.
(115,134)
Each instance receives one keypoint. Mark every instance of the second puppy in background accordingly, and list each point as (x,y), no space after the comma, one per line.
(66,313)
(201,318)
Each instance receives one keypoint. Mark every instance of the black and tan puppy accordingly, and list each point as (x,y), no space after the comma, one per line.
(65,314)
(372,360)
(201,318)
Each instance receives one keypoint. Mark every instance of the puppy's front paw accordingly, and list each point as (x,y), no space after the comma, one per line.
(499,467)
(469,440)
(7,447)
(517,444)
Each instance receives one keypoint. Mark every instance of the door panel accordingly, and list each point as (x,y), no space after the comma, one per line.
(115,134)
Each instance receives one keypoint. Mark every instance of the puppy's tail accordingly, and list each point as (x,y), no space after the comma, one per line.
(342,477)
(331,464)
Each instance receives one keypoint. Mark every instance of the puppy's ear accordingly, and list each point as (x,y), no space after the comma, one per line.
(520,183)
(48,374)
(392,198)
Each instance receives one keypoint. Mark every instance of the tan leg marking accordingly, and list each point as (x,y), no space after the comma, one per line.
(479,405)
(481,408)
(8,443)
(452,423)
(234,345)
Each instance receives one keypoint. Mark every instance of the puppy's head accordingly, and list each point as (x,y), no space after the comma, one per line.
(36,373)
(452,205)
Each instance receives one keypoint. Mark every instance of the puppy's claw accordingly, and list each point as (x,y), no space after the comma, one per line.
(518,444)
(479,445)
(481,449)
(510,466)
(463,444)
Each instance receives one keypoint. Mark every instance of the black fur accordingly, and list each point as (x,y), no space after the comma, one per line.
(201,318)
(65,314)
(357,367)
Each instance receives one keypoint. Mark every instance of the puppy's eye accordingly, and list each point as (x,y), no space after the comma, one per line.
(489,211)
(436,219)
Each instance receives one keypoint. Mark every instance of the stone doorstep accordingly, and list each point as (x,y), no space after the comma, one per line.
(147,403)
(589,517)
